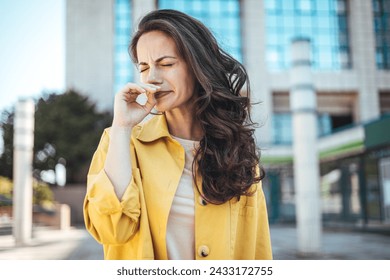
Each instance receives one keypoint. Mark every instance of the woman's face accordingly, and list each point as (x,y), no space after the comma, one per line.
(160,64)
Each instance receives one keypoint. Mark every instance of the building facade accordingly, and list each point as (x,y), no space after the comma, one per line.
(350,60)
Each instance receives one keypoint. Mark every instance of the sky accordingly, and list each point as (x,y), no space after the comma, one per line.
(32,49)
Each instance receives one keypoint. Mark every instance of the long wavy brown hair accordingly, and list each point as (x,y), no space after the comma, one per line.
(227,158)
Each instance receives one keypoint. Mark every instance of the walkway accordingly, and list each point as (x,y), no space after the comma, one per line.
(77,244)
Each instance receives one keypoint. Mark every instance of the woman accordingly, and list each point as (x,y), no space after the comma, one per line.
(184,184)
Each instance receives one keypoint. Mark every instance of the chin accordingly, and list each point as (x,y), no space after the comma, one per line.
(161,108)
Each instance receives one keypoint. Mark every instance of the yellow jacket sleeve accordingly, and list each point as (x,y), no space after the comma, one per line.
(110,220)
(263,242)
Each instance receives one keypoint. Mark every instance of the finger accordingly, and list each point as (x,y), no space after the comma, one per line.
(132,88)
(150,102)
(131,97)
(150,87)
(133,94)
(150,91)
(149,105)
(130,92)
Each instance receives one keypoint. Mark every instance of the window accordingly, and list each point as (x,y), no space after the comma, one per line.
(382,30)
(323,21)
(123,67)
(283,130)
(222,17)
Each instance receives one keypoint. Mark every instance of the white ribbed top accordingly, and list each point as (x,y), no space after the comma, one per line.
(181,221)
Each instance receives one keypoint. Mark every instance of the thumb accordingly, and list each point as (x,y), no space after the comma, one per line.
(150,102)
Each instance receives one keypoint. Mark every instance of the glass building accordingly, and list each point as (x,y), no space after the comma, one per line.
(325,23)
(350,57)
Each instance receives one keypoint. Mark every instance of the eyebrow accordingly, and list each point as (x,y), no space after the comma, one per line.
(159,59)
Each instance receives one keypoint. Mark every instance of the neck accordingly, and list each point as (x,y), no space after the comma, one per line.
(183,125)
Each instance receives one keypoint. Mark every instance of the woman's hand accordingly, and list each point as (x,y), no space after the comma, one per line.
(127,111)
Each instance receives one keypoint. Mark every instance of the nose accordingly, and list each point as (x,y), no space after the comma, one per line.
(154,76)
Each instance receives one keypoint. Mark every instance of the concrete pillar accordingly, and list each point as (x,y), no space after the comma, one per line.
(254,50)
(90,50)
(361,26)
(63,211)
(141,8)
(22,171)
(303,106)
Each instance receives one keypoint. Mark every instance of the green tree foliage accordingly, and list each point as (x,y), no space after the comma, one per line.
(42,194)
(7,120)
(6,187)
(67,126)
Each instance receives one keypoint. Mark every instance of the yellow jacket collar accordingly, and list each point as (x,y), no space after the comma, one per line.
(154,129)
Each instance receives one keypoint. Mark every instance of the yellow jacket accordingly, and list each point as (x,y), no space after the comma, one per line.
(135,227)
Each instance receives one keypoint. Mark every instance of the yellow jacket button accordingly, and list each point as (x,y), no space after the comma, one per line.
(203,251)
(202,201)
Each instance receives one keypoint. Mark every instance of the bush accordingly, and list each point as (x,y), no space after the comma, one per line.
(42,194)
(5,191)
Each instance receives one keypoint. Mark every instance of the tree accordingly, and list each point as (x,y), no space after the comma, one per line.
(67,126)
(6,159)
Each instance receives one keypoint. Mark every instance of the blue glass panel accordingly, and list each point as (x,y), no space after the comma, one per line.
(272,39)
(324,22)
(232,6)
(320,20)
(282,127)
(381,9)
(386,6)
(288,21)
(323,6)
(271,5)
(324,124)
(123,67)
(222,17)
(272,21)
(288,6)
(324,40)
(304,6)
(197,6)
(306,21)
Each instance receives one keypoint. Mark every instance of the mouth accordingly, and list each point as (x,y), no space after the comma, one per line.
(162,93)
